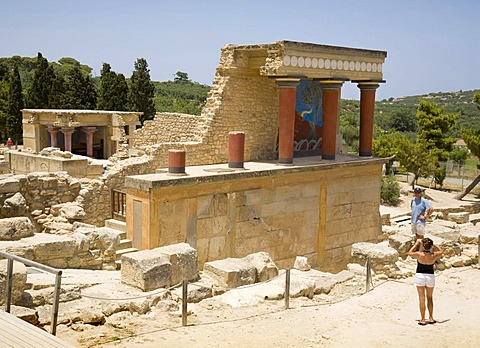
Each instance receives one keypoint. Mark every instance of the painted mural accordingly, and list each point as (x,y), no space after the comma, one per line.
(308,116)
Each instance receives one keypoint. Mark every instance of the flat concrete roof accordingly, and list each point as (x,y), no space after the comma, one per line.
(221,172)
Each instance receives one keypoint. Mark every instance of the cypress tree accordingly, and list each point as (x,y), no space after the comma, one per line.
(142,90)
(80,92)
(113,90)
(38,94)
(15,106)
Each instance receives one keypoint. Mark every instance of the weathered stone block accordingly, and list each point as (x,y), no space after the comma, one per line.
(383,257)
(301,263)
(184,262)
(469,235)
(266,268)
(459,218)
(18,282)
(401,242)
(50,247)
(231,272)
(14,206)
(147,270)
(16,228)
(9,185)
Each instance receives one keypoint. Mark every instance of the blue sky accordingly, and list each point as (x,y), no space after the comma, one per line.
(432,45)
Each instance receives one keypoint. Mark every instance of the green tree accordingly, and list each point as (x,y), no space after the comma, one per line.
(386,145)
(416,159)
(15,106)
(142,90)
(181,76)
(4,88)
(403,121)
(459,156)
(113,93)
(38,95)
(349,127)
(434,127)
(80,91)
(471,136)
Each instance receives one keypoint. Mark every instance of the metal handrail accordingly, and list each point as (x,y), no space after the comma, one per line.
(56,293)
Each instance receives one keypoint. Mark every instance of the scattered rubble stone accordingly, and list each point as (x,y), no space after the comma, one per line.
(231,272)
(266,268)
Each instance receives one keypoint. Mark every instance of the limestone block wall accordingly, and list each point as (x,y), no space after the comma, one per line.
(318,214)
(169,127)
(237,101)
(352,215)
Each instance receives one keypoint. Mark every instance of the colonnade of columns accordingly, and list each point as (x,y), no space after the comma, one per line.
(331,89)
(67,136)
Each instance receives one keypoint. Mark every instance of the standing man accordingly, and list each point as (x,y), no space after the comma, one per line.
(421,211)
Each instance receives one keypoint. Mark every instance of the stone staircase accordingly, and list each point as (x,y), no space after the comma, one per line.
(125,245)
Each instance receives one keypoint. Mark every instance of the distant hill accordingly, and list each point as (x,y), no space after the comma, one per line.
(460,102)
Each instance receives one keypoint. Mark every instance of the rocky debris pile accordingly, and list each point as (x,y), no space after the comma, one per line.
(86,246)
(456,232)
(55,152)
(383,258)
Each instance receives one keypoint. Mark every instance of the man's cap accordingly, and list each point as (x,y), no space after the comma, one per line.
(417,190)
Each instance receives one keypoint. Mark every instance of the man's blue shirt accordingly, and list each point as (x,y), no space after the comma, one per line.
(419,207)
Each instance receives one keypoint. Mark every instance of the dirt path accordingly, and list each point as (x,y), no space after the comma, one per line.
(385,317)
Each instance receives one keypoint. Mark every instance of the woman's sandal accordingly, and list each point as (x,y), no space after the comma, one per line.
(422,324)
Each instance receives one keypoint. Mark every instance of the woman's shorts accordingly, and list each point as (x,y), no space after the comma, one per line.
(424,279)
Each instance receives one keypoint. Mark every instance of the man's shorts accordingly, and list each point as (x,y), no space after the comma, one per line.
(418,228)
(424,279)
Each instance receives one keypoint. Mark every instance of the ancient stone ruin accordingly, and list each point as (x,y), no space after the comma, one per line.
(258,183)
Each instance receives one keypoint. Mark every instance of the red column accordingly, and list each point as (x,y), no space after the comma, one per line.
(330,108)
(236,149)
(176,161)
(287,88)
(67,133)
(89,137)
(53,136)
(367,108)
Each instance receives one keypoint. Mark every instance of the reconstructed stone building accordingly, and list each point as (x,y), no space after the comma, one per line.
(285,98)
(84,132)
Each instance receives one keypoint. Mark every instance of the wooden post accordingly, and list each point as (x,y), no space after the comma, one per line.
(287,288)
(184,301)
(8,293)
(369,274)
(56,297)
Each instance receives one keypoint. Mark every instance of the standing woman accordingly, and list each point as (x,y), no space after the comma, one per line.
(424,279)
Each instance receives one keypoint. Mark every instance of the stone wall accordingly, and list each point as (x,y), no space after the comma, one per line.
(243,101)
(318,214)
(169,127)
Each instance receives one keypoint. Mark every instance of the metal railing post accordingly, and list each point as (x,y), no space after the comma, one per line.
(45,268)
(8,292)
(369,274)
(56,298)
(287,288)
(184,301)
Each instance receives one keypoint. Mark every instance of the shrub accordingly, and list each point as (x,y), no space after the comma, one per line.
(390,190)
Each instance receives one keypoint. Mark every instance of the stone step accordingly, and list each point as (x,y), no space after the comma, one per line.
(125,244)
(116,225)
(121,252)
